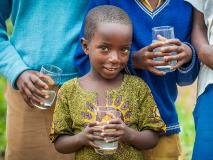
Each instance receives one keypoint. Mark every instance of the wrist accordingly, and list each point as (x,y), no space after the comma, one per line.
(136,60)
(189,50)
(130,136)
(80,139)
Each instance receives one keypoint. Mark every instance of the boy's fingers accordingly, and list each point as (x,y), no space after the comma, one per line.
(157,72)
(178,65)
(110,140)
(176,57)
(95,129)
(92,124)
(115,121)
(94,145)
(161,38)
(173,42)
(113,126)
(170,49)
(155,45)
(161,54)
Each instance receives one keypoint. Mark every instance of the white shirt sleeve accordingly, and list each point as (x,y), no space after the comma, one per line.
(198,4)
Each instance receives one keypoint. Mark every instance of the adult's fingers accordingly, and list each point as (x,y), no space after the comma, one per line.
(37,80)
(30,97)
(34,90)
(26,99)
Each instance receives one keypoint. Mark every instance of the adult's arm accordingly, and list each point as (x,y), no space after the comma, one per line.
(187,73)
(200,40)
(11,64)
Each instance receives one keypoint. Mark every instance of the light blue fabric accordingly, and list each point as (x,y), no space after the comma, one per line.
(203,117)
(45,32)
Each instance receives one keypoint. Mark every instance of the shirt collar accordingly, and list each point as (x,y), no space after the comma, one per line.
(148,6)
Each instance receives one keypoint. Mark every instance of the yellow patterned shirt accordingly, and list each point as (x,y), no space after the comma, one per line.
(75,108)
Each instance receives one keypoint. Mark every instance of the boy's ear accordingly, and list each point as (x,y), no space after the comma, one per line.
(84,45)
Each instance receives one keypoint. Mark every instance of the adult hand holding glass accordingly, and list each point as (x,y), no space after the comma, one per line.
(27,84)
(51,76)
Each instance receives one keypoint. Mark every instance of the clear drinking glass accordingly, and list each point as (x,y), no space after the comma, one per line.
(104,114)
(167,32)
(51,75)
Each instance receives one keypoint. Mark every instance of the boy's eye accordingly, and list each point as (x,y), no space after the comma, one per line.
(125,50)
(104,48)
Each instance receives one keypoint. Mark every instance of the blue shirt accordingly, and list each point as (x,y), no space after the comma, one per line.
(176,13)
(44,32)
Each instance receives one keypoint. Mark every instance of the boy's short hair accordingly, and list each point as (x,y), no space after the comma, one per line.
(104,13)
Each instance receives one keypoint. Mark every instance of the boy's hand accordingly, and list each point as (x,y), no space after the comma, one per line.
(184,53)
(121,131)
(143,59)
(88,136)
(28,84)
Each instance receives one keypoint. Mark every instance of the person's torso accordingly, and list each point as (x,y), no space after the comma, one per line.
(176,13)
(46,32)
(125,99)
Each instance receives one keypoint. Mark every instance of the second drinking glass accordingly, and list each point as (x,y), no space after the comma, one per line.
(51,75)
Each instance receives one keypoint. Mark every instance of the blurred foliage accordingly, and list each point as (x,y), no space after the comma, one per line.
(185,106)
(3,103)
(2,115)
(187,131)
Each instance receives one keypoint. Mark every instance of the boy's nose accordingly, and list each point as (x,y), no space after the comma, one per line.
(114,56)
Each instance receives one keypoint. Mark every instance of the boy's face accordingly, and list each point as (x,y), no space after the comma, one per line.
(109,49)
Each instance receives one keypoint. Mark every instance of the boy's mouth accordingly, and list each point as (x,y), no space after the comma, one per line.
(112,69)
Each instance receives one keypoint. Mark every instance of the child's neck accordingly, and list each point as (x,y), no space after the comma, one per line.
(93,83)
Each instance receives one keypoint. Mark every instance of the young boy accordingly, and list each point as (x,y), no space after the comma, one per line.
(202,38)
(107,41)
(146,14)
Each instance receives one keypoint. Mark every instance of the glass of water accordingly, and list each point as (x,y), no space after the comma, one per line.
(51,75)
(167,32)
(105,114)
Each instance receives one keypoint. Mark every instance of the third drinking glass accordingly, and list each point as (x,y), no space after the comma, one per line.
(168,33)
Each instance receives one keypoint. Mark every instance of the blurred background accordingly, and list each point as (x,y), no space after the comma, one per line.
(185,105)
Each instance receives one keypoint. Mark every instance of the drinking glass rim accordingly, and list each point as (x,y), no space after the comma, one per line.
(44,67)
(162,28)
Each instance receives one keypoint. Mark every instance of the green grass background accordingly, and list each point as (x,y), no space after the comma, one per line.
(184,103)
